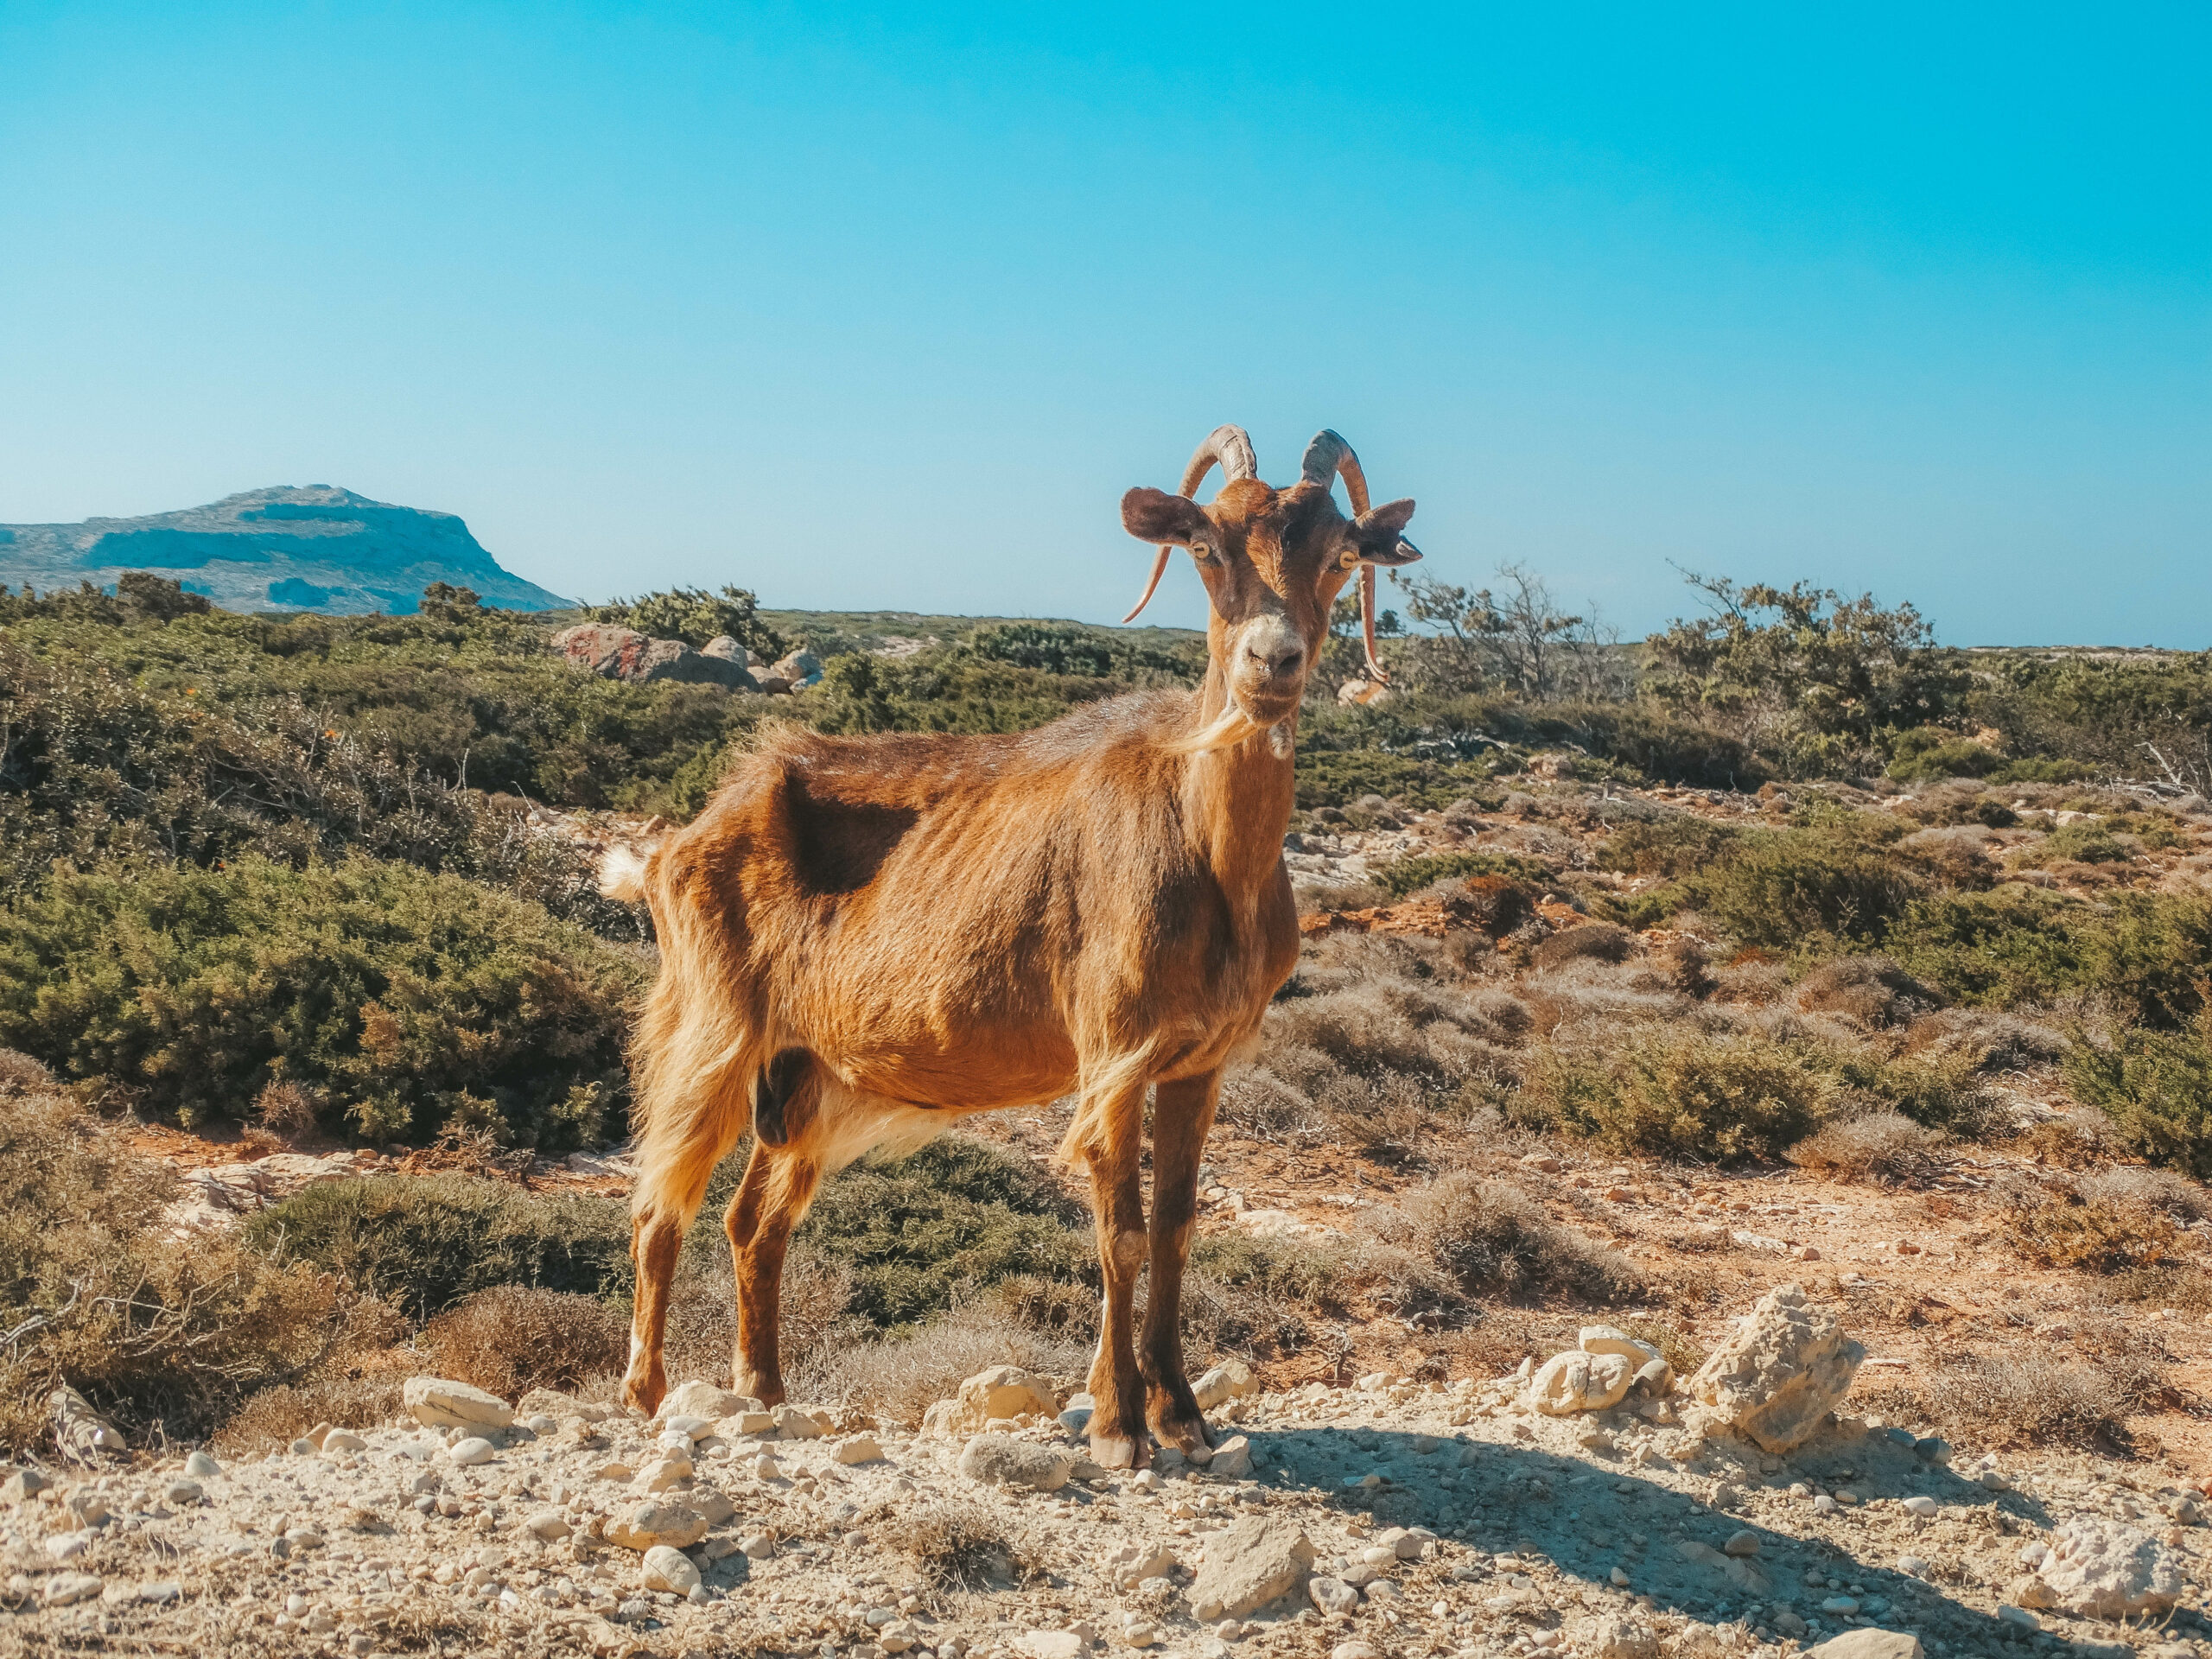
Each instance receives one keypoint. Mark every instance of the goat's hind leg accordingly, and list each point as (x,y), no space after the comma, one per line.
(778,1185)
(1182,1113)
(682,1141)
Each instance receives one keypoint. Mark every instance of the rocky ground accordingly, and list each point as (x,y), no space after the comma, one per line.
(1595,1505)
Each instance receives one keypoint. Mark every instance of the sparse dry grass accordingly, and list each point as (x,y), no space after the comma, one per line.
(900,1377)
(276,1417)
(956,1544)
(2029,1397)
(1493,1238)
(702,1331)
(2092,1227)
(1874,991)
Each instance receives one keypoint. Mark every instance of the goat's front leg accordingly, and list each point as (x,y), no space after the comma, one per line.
(771,1200)
(1182,1112)
(1107,1142)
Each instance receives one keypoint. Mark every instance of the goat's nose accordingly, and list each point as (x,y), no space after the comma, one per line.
(1276,656)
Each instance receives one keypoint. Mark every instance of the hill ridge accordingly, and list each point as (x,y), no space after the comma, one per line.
(315,547)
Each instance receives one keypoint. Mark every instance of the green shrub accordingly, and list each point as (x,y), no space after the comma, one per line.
(2156,1088)
(1675,846)
(1781,890)
(696,616)
(1676,1094)
(1338,777)
(2082,843)
(1926,754)
(2143,953)
(429,1242)
(1072,648)
(410,1000)
(919,1233)
(1411,874)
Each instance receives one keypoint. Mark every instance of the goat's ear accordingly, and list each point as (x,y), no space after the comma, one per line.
(1379,534)
(1156,516)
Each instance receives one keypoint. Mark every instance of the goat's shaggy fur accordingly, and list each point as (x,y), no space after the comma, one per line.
(863,939)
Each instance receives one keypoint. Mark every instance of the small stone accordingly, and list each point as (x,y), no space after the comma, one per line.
(440,1402)
(653,1521)
(1933,1449)
(861,1448)
(2032,1592)
(549,1524)
(1331,1595)
(758,1547)
(183,1494)
(474,1450)
(663,1473)
(67,1589)
(1230,1380)
(670,1570)
(1624,1638)
(1870,1643)
(1075,1420)
(2018,1617)
(1840,1606)
(702,1399)
(792,1423)
(160,1592)
(1921,1504)
(1746,1542)
(200,1466)
(1232,1458)
(1912,1566)
(1138,1633)
(1575,1380)
(1052,1644)
(341,1440)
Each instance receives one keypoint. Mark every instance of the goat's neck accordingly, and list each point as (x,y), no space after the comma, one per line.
(1237,800)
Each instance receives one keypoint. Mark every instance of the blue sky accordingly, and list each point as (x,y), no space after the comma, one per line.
(886,309)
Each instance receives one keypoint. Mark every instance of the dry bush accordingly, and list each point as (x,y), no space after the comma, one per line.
(1592,941)
(19,1072)
(290,1110)
(1493,1238)
(2070,1142)
(816,1313)
(1256,1102)
(1751,977)
(2183,1286)
(1316,897)
(2134,1186)
(1871,990)
(1878,1146)
(900,1377)
(1999,1042)
(513,1338)
(2029,1397)
(276,1417)
(148,1326)
(2092,1232)
(955,1543)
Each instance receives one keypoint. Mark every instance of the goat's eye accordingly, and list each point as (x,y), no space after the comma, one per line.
(1201,552)
(1349,560)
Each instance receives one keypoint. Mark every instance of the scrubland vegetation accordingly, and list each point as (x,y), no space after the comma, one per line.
(1786,887)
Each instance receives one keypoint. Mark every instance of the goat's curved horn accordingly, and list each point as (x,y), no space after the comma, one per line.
(1327,455)
(1229,446)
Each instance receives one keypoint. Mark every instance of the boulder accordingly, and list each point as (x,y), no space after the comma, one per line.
(652,1521)
(798,669)
(1003,1460)
(1002,1391)
(1250,1564)
(668,1569)
(1786,1366)
(1610,1339)
(1232,1458)
(1132,1564)
(702,1399)
(1576,1380)
(440,1402)
(2106,1569)
(616,653)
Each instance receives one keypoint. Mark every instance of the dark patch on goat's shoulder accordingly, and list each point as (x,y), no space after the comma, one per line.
(840,844)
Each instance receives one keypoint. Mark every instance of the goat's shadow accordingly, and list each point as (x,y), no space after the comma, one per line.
(1589,1513)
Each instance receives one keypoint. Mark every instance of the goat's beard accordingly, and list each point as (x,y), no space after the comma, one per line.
(1233,725)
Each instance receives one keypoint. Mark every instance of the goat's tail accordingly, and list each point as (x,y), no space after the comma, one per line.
(622,873)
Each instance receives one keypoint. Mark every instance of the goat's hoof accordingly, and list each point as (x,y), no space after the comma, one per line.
(644,1395)
(1120,1450)
(1189,1436)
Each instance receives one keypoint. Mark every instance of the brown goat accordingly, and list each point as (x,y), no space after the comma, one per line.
(863,939)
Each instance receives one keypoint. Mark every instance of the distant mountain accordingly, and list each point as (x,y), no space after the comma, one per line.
(317,548)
